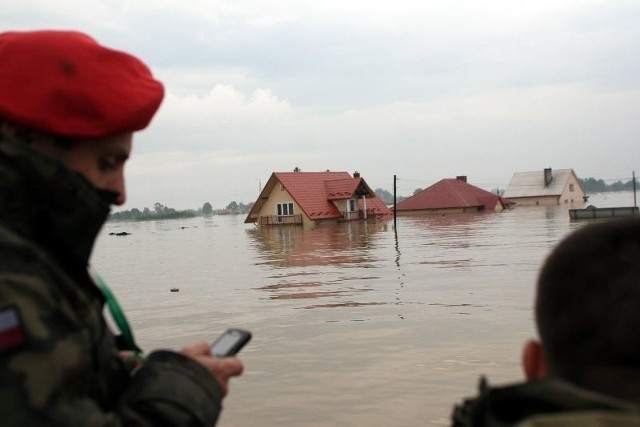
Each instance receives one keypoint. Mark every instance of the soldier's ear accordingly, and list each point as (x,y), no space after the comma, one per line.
(533,363)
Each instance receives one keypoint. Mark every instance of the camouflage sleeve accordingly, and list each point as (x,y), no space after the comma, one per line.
(175,387)
(59,366)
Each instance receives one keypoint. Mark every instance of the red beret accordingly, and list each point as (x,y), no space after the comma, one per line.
(65,83)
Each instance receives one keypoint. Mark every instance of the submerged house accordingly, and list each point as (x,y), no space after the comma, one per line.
(545,187)
(451,196)
(308,198)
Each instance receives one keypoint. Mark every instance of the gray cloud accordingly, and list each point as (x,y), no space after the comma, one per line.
(421,89)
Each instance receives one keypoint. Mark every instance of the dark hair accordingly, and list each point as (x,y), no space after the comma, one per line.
(588,306)
(24,134)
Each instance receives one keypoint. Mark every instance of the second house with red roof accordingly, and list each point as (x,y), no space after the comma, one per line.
(451,196)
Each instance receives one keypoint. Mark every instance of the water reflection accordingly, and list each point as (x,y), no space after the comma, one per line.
(451,220)
(290,246)
(445,241)
(454,231)
(325,263)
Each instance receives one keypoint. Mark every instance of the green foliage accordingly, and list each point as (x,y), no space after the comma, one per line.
(163,210)
(387,197)
(592,185)
(236,208)
(159,212)
(416,191)
(245,208)
(384,195)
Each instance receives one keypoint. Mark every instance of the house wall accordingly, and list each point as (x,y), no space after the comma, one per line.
(342,205)
(536,201)
(572,193)
(279,195)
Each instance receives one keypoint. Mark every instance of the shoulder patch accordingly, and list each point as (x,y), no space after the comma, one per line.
(12,332)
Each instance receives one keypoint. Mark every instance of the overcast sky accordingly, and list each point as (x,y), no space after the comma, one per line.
(423,90)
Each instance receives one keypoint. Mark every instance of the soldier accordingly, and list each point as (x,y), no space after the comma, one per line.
(586,368)
(68,110)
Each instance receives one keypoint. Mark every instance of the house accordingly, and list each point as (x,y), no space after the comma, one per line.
(451,196)
(309,198)
(545,187)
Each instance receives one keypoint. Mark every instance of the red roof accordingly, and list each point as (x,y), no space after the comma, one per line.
(315,191)
(450,193)
(309,191)
(341,189)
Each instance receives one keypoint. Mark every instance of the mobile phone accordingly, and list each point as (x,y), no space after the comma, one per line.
(230,342)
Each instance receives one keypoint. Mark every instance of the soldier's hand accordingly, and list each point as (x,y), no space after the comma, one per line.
(130,359)
(222,369)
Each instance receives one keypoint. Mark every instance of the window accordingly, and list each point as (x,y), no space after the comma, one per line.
(352,205)
(570,187)
(285,208)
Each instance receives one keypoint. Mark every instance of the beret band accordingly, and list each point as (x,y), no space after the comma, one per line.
(65,83)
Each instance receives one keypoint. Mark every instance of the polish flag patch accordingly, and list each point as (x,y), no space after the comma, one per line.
(11,330)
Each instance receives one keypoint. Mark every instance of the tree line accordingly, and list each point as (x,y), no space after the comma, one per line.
(161,211)
(592,185)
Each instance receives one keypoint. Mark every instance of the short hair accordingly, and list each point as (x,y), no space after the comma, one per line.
(588,303)
(23,134)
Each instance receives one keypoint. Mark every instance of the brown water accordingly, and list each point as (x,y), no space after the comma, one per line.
(354,324)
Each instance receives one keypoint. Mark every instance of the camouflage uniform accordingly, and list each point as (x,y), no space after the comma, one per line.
(546,403)
(59,364)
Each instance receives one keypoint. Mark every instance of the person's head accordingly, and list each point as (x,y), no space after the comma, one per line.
(588,309)
(76,101)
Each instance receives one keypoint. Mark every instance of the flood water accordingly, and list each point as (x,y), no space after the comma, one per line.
(353,324)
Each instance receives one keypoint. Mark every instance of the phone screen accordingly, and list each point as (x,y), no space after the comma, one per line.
(229,343)
(225,344)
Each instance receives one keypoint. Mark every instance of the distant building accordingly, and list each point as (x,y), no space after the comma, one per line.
(545,187)
(451,196)
(309,198)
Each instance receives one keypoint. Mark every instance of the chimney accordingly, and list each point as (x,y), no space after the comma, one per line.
(356,174)
(548,177)
(462,178)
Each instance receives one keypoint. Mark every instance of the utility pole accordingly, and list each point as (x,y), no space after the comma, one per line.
(394,200)
(634,188)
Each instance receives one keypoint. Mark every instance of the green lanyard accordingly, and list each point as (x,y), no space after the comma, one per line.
(118,316)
